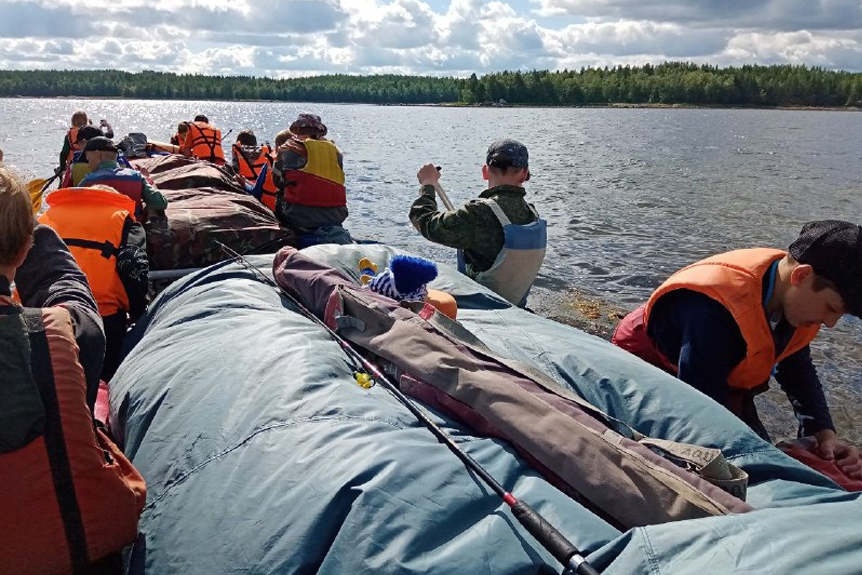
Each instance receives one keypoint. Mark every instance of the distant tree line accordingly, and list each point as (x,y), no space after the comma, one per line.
(669,83)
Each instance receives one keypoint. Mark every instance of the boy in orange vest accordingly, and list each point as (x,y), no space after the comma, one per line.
(726,324)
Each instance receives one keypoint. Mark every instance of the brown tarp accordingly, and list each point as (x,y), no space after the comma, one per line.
(205,203)
(441,363)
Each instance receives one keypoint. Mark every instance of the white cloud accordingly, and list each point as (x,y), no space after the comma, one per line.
(301,37)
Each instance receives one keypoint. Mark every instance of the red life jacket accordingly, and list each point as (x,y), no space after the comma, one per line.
(735,280)
(250,170)
(91,222)
(203,141)
(68,495)
(321,182)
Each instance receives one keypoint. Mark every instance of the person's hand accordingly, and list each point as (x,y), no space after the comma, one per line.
(103,123)
(846,456)
(428,175)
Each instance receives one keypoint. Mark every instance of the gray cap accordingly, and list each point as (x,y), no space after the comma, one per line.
(506,154)
(834,249)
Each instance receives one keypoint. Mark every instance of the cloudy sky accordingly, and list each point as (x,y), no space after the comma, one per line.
(435,37)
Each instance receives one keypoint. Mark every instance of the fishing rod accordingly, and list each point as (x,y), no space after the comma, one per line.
(546,534)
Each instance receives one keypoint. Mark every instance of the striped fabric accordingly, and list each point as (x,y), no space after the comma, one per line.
(384,284)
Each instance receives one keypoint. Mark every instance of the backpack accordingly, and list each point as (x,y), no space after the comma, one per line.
(134,145)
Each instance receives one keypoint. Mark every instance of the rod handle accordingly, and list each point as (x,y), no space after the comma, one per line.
(555,542)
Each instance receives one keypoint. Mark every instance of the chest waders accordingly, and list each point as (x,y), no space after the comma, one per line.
(516,266)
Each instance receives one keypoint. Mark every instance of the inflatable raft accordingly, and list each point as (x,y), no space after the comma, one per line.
(263,455)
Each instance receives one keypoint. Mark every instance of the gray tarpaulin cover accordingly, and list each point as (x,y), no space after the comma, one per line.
(262,454)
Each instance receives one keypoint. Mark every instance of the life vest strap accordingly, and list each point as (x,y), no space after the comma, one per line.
(108,249)
(58,456)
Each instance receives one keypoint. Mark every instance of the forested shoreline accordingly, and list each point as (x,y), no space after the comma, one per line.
(665,84)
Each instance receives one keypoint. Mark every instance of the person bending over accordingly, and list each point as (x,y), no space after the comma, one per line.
(725,324)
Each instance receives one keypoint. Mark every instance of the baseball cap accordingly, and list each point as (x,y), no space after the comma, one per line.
(88,133)
(833,248)
(309,121)
(507,153)
(100,144)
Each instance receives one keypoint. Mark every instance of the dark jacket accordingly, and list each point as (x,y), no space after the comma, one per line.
(50,277)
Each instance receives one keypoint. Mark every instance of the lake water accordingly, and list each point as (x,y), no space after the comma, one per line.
(630,194)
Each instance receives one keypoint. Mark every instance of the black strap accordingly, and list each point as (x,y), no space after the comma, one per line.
(201,137)
(58,457)
(108,249)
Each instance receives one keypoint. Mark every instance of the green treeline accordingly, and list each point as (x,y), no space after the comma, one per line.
(669,83)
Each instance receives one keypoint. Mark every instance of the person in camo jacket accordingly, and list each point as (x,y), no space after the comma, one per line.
(502,236)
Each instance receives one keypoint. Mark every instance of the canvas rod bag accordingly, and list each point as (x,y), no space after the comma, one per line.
(438,361)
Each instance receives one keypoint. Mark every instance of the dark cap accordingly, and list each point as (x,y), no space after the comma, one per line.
(507,153)
(88,133)
(202,118)
(100,144)
(834,249)
(309,122)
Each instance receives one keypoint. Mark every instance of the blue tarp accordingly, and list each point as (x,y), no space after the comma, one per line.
(262,454)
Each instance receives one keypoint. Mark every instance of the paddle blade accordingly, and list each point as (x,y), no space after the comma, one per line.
(35,187)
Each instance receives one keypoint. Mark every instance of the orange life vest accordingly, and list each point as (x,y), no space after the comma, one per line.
(735,280)
(251,170)
(320,183)
(68,495)
(72,134)
(203,141)
(91,223)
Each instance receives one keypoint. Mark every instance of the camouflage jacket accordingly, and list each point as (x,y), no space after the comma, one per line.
(473,228)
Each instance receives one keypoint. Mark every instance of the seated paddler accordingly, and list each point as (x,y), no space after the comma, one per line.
(500,237)
(69,499)
(106,171)
(309,175)
(109,245)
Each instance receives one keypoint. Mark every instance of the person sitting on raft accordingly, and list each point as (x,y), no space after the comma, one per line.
(248,159)
(502,236)
(203,141)
(101,156)
(725,324)
(98,225)
(70,498)
(71,142)
(309,175)
(78,167)
(48,276)
(180,136)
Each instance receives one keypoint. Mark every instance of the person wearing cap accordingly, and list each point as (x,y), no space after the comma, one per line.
(98,225)
(309,173)
(502,236)
(203,141)
(72,142)
(101,156)
(725,324)
(78,167)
